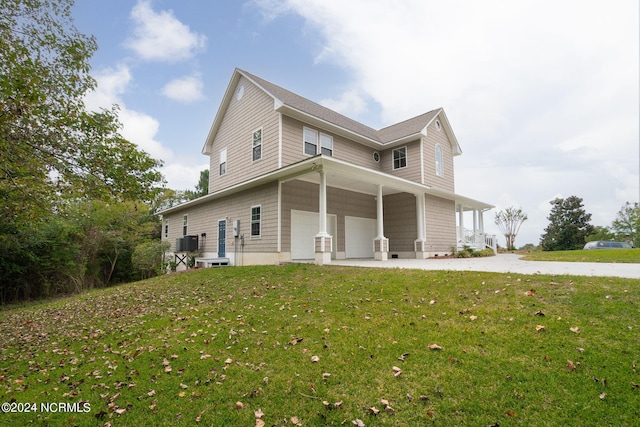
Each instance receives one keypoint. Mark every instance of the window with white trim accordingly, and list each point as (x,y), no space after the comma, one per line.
(400,158)
(257,144)
(223,162)
(317,143)
(310,141)
(326,145)
(256,221)
(185,224)
(439,165)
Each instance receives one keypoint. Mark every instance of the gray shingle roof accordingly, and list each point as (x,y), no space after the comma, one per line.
(388,134)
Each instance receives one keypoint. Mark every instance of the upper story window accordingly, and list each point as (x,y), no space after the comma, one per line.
(317,143)
(326,145)
(185,225)
(256,221)
(310,142)
(223,162)
(257,145)
(400,158)
(166,228)
(439,165)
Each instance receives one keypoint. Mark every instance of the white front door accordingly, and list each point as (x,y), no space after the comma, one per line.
(359,235)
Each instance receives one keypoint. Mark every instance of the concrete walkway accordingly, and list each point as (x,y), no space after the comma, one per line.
(505,263)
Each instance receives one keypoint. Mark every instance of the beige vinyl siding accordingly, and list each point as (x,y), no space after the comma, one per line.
(204,219)
(343,148)
(400,223)
(412,171)
(304,196)
(440,224)
(434,137)
(242,117)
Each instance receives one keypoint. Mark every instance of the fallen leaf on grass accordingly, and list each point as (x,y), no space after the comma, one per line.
(259,422)
(295,421)
(530,292)
(315,359)
(575,330)
(571,366)
(434,347)
(358,422)
(239,405)
(540,328)
(603,395)
(258,413)
(374,410)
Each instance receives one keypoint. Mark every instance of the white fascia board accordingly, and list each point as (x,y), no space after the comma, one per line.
(224,104)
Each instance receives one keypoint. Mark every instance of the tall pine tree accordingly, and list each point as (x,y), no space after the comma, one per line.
(568,225)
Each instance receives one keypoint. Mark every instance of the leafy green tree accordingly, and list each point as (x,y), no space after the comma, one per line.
(52,148)
(600,233)
(626,226)
(202,187)
(148,258)
(56,156)
(509,222)
(568,225)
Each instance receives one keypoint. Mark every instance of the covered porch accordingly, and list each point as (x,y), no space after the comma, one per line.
(470,231)
(398,221)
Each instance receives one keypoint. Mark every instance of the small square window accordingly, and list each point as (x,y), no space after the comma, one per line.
(400,158)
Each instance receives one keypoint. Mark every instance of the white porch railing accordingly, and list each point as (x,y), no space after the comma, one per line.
(476,240)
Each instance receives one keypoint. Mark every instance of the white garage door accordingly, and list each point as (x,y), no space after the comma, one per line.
(304,227)
(359,235)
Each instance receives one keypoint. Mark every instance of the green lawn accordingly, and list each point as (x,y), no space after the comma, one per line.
(308,345)
(598,255)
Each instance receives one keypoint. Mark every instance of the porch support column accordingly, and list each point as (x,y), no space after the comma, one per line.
(323,243)
(380,243)
(481,220)
(421,237)
(460,226)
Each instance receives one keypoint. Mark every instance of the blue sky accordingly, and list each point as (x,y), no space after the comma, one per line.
(543,95)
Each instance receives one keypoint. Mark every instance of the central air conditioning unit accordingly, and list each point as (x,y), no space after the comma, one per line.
(190,243)
(180,245)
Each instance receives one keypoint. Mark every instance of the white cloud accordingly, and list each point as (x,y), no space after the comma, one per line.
(186,89)
(160,36)
(350,104)
(139,128)
(183,176)
(542,95)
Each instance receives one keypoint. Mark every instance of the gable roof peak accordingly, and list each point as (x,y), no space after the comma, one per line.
(305,110)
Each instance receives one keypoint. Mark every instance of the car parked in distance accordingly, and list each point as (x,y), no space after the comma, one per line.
(605,244)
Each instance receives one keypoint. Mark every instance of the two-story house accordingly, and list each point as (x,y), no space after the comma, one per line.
(292,180)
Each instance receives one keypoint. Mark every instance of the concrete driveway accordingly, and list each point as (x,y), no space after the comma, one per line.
(505,263)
